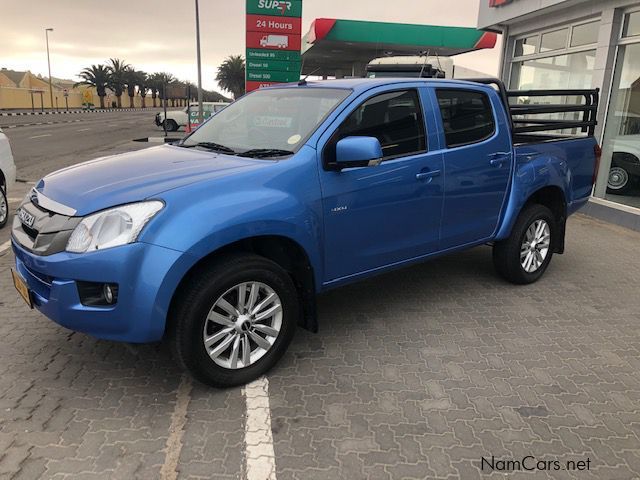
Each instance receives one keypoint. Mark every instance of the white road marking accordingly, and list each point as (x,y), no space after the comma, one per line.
(5,246)
(40,136)
(13,199)
(113,125)
(261,459)
(84,129)
(176,430)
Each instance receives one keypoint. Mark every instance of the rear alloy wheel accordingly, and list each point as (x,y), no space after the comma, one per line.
(525,255)
(619,182)
(4,208)
(234,319)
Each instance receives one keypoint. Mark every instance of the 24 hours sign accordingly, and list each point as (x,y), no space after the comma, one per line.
(274,40)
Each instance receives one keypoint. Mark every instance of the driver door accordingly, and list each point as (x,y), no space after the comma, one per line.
(383,215)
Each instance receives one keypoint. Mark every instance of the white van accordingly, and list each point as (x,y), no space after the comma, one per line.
(179,118)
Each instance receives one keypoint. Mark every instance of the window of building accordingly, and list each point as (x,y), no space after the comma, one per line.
(556,40)
(394,118)
(467,116)
(619,175)
(585,34)
(526,46)
(631,25)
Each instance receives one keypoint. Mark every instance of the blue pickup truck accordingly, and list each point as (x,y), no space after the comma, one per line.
(219,243)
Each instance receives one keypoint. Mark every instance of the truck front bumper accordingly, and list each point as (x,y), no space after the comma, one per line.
(140,270)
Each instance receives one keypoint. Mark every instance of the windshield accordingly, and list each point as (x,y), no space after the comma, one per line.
(272,119)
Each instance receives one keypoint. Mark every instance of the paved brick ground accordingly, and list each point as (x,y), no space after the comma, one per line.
(416,374)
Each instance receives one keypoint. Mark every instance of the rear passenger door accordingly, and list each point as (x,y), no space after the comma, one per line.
(477,164)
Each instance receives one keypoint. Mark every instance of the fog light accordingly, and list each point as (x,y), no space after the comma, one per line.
(107,291)
(94,294)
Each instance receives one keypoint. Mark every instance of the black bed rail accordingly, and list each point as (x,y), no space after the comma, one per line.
(525,116)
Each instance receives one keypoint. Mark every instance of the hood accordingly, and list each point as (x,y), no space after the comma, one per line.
(135,176)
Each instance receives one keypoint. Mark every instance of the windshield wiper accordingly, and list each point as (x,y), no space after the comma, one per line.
(211,146)
(265,153)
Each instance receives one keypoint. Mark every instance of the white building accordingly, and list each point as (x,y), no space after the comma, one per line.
(563,44)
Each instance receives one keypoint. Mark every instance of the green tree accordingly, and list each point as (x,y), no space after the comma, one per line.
(97,76)
(155,85)
(142,82)
(231,75)
(164,79)
(118,69)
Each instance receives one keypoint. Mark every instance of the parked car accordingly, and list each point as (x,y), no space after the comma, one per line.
(624,175)
(219,244)
(179,118)
(7,176)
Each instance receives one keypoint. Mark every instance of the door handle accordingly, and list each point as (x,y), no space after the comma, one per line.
(427,175)
(497,159)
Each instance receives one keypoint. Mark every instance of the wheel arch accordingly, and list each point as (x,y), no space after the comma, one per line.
(554,199)
(284,251)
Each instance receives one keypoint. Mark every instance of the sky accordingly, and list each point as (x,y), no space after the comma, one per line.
(159,35)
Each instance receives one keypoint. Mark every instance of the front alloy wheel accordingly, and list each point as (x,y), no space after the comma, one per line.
(243,325)
(233,319)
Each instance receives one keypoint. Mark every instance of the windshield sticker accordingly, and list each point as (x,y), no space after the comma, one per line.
(294,139)
(272,122)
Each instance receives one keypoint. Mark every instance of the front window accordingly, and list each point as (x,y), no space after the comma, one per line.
(279,120)
(394,118)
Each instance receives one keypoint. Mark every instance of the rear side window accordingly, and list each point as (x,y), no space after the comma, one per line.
(394,118)
(467,116)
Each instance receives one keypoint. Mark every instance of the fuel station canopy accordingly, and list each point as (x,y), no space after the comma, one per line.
(344,47)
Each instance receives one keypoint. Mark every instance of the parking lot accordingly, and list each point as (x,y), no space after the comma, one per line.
(417,374)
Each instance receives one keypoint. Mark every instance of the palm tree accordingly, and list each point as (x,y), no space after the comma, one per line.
(118,69)
(97,76)
(133,78)
(231,75)
(142,82)
(164,79)
(155,85)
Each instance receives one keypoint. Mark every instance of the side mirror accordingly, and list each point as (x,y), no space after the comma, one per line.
(358,152)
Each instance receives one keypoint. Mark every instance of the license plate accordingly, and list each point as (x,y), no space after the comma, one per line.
(22,287)
(26,218)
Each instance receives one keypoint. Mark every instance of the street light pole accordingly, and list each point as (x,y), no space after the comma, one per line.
(46,34)
(200,106)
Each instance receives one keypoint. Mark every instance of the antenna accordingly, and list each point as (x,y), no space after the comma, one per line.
(303,82)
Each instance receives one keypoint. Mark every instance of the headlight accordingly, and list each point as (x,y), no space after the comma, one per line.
(112,228)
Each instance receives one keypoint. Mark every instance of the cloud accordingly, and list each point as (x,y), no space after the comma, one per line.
(159,35)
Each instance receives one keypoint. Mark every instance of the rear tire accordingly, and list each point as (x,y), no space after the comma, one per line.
(197,318)
(522,258)
(4,208)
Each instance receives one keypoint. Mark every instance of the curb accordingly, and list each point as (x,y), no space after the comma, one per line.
(157,139)
(113,110)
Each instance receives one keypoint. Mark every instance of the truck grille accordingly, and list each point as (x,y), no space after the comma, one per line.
(49,233)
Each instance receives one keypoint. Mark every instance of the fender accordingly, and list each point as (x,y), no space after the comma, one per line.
(533,172)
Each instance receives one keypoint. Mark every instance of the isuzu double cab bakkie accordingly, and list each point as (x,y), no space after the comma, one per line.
(219,244)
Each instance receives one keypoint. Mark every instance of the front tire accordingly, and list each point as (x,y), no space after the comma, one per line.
(4,208)
(524,256)
(234,320)
(172,126)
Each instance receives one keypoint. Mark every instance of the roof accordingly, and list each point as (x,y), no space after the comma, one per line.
(13,75)
(333,45)
(363,84)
